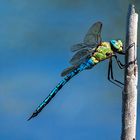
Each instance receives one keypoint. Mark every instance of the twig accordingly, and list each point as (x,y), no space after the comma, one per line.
(129,96)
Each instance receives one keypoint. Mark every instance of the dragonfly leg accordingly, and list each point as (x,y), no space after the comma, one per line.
(130,46)
(111,75)
(121,66)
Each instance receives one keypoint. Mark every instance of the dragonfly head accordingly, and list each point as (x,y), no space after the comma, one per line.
(117,45)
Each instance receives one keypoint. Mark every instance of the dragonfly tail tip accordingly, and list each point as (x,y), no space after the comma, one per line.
(30,118)
(33,115)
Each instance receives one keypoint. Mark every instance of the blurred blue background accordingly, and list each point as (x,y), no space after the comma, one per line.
(35,40)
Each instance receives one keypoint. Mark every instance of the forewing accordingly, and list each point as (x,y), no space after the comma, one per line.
(93,35)
(77,47)
(81,46)
(92,38)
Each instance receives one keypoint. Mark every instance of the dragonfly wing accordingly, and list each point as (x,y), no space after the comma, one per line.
(67,70)
(77,47)
(93,35)
(80,57)
(92,38)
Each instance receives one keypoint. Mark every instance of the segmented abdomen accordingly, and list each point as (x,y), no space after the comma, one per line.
(88,64)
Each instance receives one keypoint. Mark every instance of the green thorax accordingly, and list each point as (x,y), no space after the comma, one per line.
(102,52)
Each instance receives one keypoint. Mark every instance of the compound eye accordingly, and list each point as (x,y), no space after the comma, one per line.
(113,41)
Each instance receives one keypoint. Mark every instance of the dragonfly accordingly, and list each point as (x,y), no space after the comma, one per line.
(86,55)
